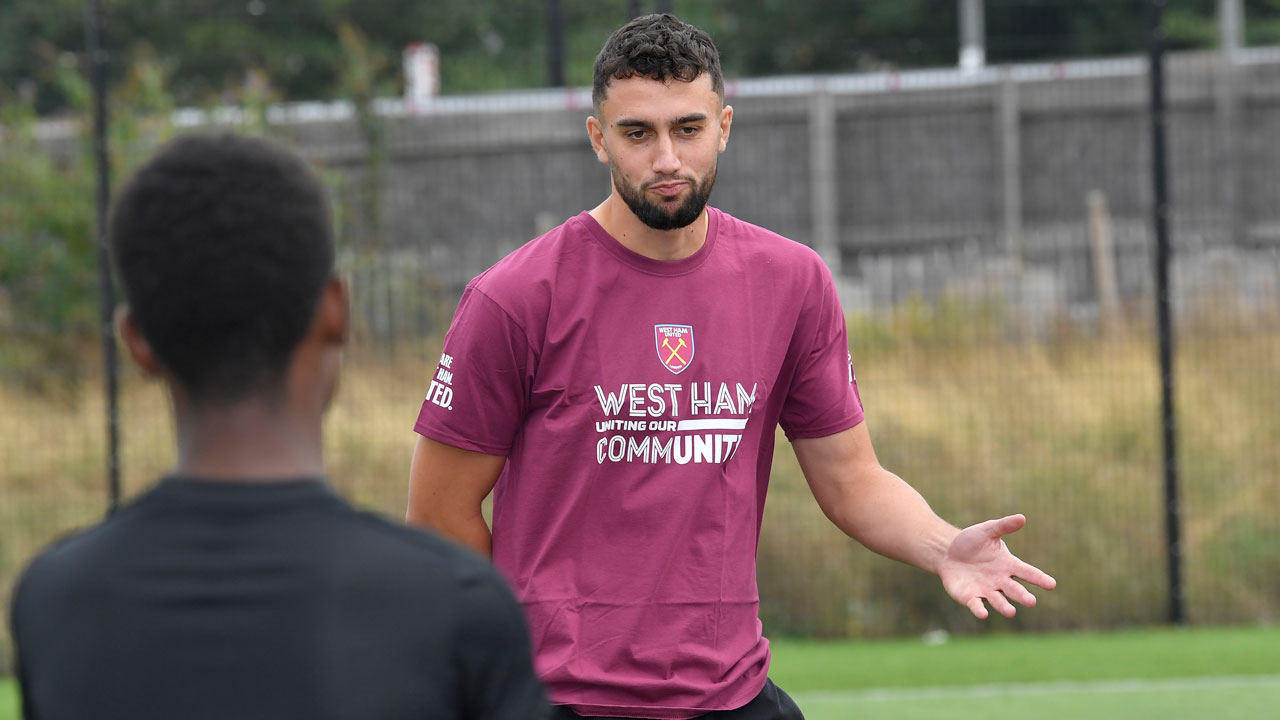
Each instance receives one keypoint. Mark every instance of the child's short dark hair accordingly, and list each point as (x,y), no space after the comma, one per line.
(659,47)
(223,244)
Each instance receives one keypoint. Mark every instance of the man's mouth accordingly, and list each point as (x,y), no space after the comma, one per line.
(669,189)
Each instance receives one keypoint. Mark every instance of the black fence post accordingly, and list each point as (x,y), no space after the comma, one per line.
(1164,317)
(555,43)
(95,24)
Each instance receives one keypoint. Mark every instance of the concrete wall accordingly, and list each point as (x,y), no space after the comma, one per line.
(940,186)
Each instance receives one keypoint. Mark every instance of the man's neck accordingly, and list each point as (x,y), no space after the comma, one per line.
(618,220)
(249,441)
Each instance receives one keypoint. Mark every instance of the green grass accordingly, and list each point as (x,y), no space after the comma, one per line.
(1162,702)
(1157,673)
(1222,673)
(9,699)
(973,660)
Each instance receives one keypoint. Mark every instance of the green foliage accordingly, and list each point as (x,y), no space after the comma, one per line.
(47,252)
(767,37)
(210,51)
(1263,22)
(48,248)
(362,80)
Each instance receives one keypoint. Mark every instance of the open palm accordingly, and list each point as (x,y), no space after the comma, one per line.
(979,566)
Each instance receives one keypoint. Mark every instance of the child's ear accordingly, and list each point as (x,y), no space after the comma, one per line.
(135,344)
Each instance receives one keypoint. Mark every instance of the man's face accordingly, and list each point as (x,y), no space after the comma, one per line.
(661,141)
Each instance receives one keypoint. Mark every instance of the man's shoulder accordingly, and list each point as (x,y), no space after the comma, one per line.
(535,263)
(780,251)
(65,562)
(86,558)
(523,285)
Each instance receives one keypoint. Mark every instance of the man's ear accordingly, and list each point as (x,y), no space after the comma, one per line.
(135,344)
(595,131)
(333,315)
(726,120)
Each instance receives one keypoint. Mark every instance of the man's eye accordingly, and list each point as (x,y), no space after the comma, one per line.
(688,130)
(637,134)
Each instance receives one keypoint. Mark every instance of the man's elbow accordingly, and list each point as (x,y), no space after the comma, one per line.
(432,517)
(464,526)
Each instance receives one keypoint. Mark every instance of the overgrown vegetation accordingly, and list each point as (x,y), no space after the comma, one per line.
(1063,428)
(1067,435)
(46,254)
(49,281)
(48,247)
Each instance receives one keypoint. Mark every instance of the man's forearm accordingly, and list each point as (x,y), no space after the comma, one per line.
(470,530)
(871,504)
(891,518)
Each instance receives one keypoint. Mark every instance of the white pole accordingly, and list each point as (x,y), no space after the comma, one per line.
(973,53)
(825,197)
(1231,27)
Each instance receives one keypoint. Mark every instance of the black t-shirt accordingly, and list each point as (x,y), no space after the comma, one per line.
(267,600)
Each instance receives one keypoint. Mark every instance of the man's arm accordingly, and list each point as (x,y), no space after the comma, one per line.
(879,510)
(447,486)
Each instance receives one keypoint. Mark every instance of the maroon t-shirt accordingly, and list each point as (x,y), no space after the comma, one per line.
(636,402)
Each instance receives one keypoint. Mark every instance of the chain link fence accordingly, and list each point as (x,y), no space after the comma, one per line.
(990,231)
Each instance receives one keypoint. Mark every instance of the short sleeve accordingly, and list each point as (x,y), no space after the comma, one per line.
(823,396)
(20,632)
(28,702)
(495,661)
(479,393)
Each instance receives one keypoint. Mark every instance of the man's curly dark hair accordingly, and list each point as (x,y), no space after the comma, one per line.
(658,47)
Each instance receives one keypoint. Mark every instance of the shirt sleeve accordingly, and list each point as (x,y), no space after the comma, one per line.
(494,655)
(823,396)
(479,393)
(24,689)
(16,619)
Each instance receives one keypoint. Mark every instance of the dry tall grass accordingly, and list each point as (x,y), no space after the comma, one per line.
(1066,432)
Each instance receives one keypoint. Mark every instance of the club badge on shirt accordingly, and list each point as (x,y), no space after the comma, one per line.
(675,346)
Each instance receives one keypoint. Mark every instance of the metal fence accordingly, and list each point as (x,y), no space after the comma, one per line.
(991,233)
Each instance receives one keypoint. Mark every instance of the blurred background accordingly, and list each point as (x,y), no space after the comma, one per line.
(987,179)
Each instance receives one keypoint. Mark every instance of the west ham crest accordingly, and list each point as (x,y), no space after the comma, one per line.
(675,346)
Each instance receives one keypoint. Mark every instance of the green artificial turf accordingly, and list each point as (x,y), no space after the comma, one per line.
(1170,674)
(1147,653)
(1167,674)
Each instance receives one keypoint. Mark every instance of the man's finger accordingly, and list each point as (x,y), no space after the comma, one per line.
(977,608)
(1035,576)
(1001,604)
(1005,525)
(1018,594)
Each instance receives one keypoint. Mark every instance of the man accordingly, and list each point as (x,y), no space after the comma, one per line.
(241,586)
(617,382)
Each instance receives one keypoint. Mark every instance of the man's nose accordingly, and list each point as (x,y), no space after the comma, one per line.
(665,160)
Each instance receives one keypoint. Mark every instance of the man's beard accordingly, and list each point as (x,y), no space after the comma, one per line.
(654,215)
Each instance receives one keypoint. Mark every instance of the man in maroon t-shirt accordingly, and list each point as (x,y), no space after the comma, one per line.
(616,384)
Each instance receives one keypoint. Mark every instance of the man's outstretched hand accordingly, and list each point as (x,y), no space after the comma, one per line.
(979,566)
